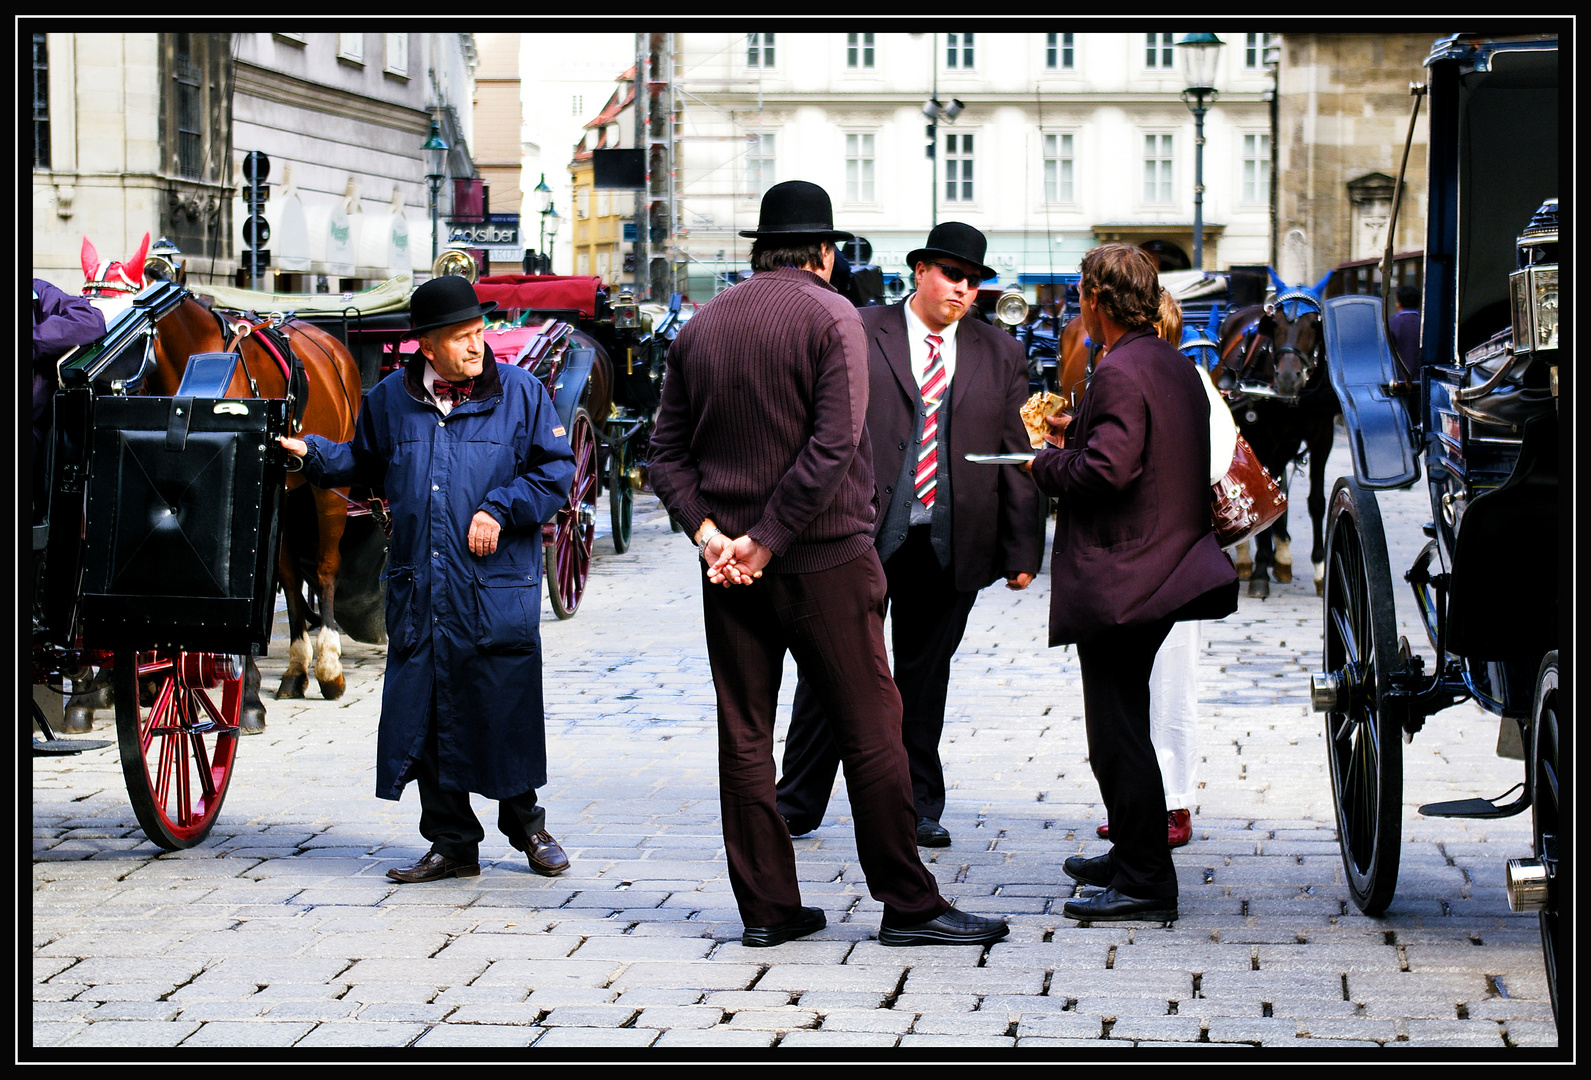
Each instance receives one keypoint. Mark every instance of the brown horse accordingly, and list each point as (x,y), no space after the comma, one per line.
(1074,362)
(1273,374)
(330,408)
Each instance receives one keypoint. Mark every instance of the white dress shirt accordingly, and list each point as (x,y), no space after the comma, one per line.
(917,336)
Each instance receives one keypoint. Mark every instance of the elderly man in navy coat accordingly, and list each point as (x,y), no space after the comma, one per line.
(472,460)
(1135,551)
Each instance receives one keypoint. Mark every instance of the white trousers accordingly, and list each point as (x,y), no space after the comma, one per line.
(1173,705)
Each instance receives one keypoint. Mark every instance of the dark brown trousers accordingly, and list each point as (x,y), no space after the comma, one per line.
(833,623)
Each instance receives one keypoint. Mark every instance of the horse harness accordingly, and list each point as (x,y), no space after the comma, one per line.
(276,345)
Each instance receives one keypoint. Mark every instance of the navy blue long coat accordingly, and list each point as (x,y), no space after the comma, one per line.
(466,627)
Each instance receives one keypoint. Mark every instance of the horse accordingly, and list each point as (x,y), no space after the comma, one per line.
(1075,358)
(331,401)
(1272,372)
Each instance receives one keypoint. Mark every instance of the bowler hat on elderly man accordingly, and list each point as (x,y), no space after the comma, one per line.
(443,301)
(959,241)
(795,210)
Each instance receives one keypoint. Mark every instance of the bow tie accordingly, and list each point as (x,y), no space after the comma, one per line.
(454,392)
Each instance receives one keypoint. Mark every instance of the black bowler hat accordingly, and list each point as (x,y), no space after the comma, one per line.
(796,209)
(959,241)
(443,301)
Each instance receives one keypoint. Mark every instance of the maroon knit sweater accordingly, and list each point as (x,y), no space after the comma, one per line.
(763,425)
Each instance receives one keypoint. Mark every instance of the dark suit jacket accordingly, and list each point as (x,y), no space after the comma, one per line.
(994,510)
(1133,537)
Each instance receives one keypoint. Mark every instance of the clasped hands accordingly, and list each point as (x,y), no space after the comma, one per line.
(737,561)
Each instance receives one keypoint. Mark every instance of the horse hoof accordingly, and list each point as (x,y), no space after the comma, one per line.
(1283,572)
(251,721)
(332,689)
(293,686)
(1320,587)
(78,720)
(1259,587)
(96,698)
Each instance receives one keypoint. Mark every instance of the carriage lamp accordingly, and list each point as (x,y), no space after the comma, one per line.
(1202,52)
(436,158)
(1535,296)
(1012,308)
(626,313)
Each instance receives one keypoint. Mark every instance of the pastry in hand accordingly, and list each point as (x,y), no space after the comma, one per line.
(1035,409)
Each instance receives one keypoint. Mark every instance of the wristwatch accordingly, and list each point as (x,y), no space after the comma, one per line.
(707,534)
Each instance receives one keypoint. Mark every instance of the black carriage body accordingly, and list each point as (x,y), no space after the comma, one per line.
(180,523)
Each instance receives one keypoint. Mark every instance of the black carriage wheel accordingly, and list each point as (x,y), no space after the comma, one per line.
(568,562)
(178,752)
(621,497)
(1364,745)
(1546,799)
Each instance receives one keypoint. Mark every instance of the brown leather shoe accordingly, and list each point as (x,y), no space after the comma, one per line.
(433,867)
(545,856)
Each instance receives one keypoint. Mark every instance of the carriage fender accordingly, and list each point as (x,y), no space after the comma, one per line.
(571,384)
(1359,360)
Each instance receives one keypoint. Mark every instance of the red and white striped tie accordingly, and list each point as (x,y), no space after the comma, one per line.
(928,450)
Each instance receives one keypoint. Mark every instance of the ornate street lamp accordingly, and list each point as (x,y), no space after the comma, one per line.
(550,220)
(543,206)
(436,159)
(1202,53)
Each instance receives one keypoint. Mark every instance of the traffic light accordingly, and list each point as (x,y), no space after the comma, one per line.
(256,231)
(933,140)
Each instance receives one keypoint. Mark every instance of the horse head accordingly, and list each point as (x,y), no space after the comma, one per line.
(1292,322)
(109,279)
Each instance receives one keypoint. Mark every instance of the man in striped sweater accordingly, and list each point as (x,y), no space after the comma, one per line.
(761,451)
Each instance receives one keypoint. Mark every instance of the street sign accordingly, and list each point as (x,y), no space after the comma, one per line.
(256,230)
(498,231)
(256,166)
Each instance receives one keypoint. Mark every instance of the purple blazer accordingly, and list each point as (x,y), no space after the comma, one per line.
(1133,536)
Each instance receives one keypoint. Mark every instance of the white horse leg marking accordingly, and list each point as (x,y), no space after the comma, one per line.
(1244,560)
(1283,560)
(328,664)
(299,654)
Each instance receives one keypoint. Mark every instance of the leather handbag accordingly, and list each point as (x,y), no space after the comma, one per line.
(1246,499)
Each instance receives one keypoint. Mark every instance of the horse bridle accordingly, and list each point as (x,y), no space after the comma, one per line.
(1300,299)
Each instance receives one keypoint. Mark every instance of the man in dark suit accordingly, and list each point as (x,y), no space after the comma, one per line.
(941,387)
(1134,553)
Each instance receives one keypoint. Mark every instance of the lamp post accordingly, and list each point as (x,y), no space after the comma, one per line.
(543,204)
(1273,64)
(935,111)
(436,158)
(550,220)
(1202,52)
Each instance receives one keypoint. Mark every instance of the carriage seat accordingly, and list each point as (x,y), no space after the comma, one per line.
(1381,438)
(1503,387)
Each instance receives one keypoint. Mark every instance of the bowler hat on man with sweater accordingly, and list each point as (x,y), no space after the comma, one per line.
(796,210)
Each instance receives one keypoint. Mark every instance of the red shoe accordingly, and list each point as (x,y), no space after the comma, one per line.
(1179,828)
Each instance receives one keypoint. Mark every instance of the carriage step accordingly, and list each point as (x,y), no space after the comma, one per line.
(1480,808)
(46,747)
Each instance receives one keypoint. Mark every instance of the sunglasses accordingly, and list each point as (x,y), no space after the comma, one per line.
(956,275)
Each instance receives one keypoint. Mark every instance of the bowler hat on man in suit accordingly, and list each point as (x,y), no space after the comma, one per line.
(443,301)
(959,241)
(794,210)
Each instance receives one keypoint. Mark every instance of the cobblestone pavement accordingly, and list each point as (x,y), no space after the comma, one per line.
(282,930)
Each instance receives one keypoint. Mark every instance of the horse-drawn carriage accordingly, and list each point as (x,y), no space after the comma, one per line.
(158,547)
(1484,417)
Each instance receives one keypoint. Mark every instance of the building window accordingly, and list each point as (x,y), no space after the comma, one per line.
(958,168)
(1159,51)
(583,264)
(1058,168)
(1254,49)
(759,50)
(1257,168)
(859,168)
(190,111)
(958,50)
(577,104)
(398,54)
(1058,51)
(858,50)
(760,164)
(351,47)
(41,102)
(1157,168)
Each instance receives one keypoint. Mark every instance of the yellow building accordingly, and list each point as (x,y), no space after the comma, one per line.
(598,216)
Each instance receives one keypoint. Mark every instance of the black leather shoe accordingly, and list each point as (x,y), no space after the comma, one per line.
(1112,906)
(433,867)
(1099,870)
(799,826)
(931,834)
(954,927)
(810,921)
(546,857)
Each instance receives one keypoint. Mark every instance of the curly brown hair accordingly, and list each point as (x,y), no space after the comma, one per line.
(1126,281)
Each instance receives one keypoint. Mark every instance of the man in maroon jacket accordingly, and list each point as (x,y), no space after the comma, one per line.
(761,451)
(1134,552)
(942,386)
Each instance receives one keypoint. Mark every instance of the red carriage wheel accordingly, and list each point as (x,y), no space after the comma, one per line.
(178,750)
(568,561)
